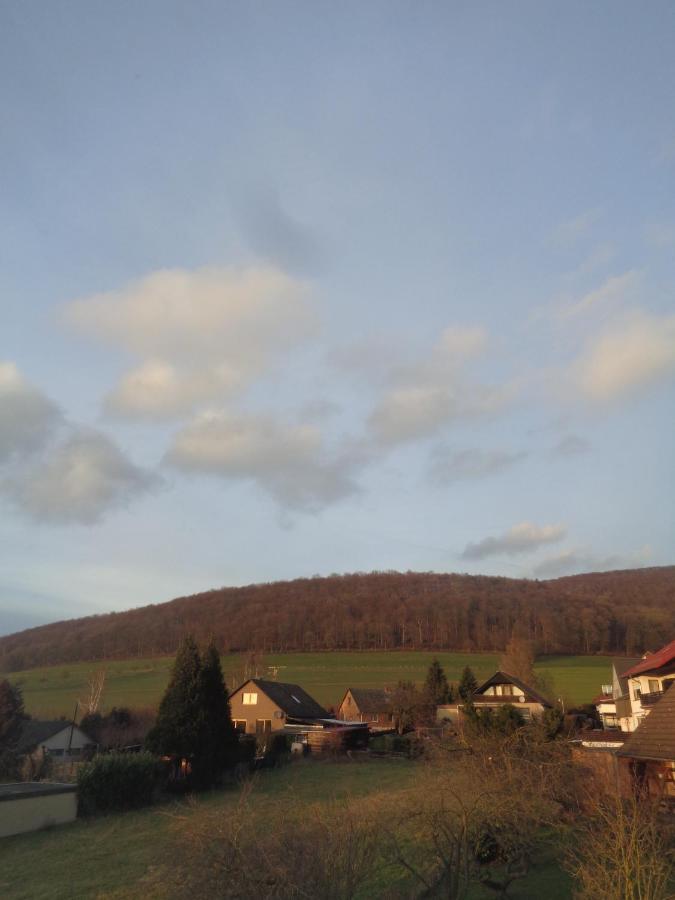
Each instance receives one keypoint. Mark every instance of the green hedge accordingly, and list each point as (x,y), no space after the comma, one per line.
(117,781)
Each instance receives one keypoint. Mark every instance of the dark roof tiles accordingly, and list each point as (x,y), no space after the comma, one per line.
(371,700)
(291,698)
(654,738)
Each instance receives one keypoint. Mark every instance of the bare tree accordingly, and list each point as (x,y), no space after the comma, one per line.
(95,686)
(621,851)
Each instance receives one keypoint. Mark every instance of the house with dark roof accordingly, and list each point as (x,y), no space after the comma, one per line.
(259,706)
(647,758)
(371,705)
(646,680)
(500,689)
(55,737)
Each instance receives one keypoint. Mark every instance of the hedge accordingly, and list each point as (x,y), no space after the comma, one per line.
(118,781)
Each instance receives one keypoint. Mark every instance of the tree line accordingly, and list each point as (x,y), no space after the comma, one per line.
(621,613)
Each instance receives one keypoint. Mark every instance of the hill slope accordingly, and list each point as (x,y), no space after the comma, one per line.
(623,612)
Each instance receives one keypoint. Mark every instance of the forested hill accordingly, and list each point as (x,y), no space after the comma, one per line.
(623,612)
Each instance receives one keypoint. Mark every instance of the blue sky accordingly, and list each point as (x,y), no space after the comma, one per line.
(297,288)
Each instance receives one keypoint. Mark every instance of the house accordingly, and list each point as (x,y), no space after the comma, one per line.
(647,758)
(612,692)
(371,705)
(646,680)
(259,706)
(500,689)
(56,738)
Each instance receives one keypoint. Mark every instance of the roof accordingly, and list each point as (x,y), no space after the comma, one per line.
(35,732)
(654,661)
(371,700)
(602,698)
(291,698)
(504,678)
(654,738)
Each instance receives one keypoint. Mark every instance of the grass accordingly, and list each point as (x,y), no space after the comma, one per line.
(122,857)
(53,691)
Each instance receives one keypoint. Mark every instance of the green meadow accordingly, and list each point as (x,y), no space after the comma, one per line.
(54,690)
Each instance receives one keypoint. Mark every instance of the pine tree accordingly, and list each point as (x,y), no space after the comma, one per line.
(467,684)
(436,687)
(217,737)
(12,717)
(177,729)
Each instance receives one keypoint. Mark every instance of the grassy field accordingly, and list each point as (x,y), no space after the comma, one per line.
(53,691)
(125,856)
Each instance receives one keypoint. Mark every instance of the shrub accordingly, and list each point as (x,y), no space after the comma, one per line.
(117,781)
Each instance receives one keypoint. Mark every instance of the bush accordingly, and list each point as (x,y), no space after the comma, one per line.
(117,781)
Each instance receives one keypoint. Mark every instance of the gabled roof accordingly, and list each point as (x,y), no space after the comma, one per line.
(35,732)
(504,678)
(370,700)
(654,738)
(652,662)
(290,698)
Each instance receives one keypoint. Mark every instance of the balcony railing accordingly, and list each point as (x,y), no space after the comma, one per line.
(623,708)
(651,698)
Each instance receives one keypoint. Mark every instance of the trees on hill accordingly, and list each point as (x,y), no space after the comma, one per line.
(194,719)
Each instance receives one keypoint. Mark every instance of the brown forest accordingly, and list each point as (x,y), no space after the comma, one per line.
(623,612)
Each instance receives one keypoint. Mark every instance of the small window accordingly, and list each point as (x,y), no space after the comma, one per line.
(295,698)
(653,686)
(240,726)
(250,699)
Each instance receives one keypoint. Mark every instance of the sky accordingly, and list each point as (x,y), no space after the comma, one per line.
(298,288)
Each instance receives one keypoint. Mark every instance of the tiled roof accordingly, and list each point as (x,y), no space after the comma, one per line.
(654,661)
(602,698)
(292,699)
(504,678)
(654,737)
(371,700)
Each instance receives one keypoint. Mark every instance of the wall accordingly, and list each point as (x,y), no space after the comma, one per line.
(31,813)
(263,709)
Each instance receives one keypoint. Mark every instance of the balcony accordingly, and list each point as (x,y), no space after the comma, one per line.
(651,698)
(623,708)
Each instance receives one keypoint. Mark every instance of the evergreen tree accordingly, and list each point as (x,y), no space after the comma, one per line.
(177,729)
(436,687)
(12,717)
(217,737)
(467,684)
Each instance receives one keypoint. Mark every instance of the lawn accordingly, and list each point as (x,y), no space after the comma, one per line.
(125,856)
(53,691)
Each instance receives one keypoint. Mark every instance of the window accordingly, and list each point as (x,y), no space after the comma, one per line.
(653,686)
(507,690)
(250,699)
(263,726)
(240,725)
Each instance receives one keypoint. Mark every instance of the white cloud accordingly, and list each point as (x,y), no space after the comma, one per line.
(522,538)
(27,417)
(614,290)
(570,445)
(447,465)
(426,396)
(572,230)
(159,390)
(199,333)
(78,481)
(287,461)
(576,561)
(637,351)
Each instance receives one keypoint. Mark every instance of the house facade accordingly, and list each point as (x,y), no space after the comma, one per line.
(500,689)
(613,692)
(646,681)
(260,707)
(647,758)
(57,738)
(369,705)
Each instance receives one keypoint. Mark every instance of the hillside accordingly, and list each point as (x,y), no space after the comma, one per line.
(623,612)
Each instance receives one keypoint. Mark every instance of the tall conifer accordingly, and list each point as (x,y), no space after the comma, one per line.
(436,687)
(217,738)
(177,729)
(467,684)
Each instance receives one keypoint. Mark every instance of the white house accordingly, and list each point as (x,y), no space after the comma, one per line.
(57,738)
(646,682)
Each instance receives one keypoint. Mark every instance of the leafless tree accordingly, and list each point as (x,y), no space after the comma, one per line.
(95,686)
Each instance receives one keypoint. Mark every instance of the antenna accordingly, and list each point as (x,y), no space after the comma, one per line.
(274,670)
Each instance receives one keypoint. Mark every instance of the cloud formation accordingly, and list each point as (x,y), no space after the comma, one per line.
(447,466)
(637,351)
(522,538)
(200,333)
(80,480)
(434,392)
(27,417)
(614,290)
(287,461)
